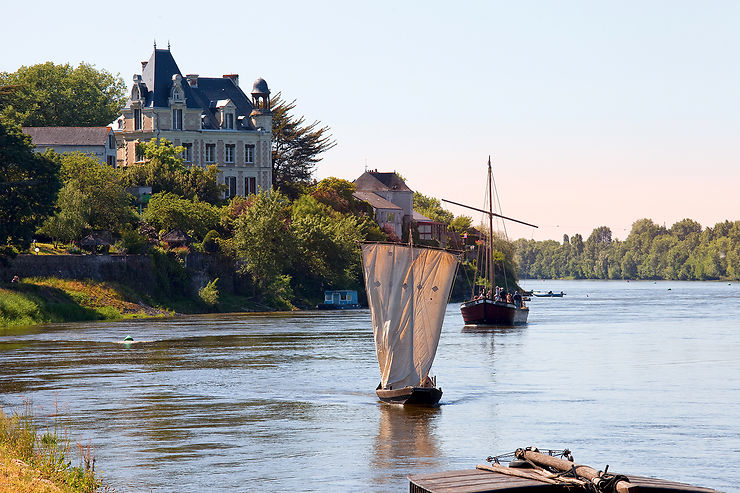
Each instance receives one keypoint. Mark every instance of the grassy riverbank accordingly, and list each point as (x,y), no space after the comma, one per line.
(34,301)
(35,460)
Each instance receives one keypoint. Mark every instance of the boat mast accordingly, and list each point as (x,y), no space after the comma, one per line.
(491,266)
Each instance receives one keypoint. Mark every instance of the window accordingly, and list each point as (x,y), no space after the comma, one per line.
(137,119)
(111,142)
(229,120)
(389,217)
(250,185)
(210,153)
(249,154)
(176,119)
(230,182)
(229,153)
(112,161)
(187,153)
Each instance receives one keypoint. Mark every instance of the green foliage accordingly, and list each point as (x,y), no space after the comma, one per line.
(209,293)
(296,146)
(165,171)
(93,198)
(170,277)
(432,208)
(211,242)
(29,184)
(50,95)
(327,243)
(132,241)
(682,252)
(264,244)
(460,224)
(167,211)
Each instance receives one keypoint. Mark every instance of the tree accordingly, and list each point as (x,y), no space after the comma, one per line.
(165,171)
(167,211)
(264,244)
(93,198)
(296,146)
(52,95)
(29,184)
(432,208)
(327,247)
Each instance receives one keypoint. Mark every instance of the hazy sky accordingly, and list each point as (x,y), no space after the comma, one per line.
(596,113)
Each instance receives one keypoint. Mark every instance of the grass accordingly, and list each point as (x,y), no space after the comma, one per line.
(41,300)
(35,460)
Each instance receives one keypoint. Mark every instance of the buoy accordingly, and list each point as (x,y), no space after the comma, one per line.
(669,289)
(128,339)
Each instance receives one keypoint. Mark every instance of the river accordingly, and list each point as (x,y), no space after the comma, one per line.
(642,376)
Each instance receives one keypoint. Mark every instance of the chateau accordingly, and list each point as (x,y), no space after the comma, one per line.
(212,118)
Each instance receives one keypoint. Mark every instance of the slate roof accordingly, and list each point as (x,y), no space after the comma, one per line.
(375,181)
(375,200)
(419,217)
(74,136)
(157,77)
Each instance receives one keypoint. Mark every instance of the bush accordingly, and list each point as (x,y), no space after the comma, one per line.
(209,293)
(211,242)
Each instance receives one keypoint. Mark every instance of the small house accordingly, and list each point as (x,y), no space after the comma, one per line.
(342,299)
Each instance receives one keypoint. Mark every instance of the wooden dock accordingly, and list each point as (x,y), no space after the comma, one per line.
(481,481)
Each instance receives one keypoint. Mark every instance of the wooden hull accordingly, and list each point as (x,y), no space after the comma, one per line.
(410,396)
(489,312)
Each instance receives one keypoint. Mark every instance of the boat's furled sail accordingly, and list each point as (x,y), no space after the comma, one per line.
(407,292)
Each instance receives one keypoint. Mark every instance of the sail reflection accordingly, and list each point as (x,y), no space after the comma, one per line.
(406,440)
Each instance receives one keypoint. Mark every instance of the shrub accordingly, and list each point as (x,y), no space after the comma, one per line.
(209,293)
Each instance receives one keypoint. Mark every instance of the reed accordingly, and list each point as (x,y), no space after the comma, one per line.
(38,459)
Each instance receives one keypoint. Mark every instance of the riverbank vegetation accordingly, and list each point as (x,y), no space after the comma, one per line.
(35,459)
(35,301)
(685,251)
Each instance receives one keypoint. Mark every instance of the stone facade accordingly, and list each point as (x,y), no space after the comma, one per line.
(212,118)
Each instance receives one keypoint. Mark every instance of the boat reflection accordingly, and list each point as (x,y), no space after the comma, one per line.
(494,329)
(406,440)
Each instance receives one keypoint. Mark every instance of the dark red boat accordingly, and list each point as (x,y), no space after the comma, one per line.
(483,310)
(488,312)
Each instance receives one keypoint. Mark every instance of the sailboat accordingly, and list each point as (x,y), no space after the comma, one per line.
(407,292)
(492,306)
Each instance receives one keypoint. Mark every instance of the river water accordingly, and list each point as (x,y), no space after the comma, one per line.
(642,376)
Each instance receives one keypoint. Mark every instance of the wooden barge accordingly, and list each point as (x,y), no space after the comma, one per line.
(533,475)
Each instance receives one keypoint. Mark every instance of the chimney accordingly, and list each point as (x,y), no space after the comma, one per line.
(192,80)
(234,77)
(143,65)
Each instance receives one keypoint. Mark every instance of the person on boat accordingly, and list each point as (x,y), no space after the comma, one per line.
(517,299)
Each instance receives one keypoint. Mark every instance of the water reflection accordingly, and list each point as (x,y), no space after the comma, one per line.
(407,436)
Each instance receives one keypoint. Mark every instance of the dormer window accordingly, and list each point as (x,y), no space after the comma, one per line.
(229,121)
(138,121)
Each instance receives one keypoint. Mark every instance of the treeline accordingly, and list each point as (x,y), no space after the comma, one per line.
(685,251)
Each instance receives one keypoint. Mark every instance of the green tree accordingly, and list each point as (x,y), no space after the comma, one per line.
(461,224)
(296,146)
(167,211)
(165,171)
(93,198)
(264,244)
(29,184)
(432,208)
(327,241)
(62,95)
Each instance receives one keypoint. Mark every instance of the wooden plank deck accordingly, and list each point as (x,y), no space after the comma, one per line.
(478,481)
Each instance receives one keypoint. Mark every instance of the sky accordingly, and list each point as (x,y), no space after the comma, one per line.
(594,113)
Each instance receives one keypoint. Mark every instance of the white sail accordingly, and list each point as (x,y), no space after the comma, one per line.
(407,291)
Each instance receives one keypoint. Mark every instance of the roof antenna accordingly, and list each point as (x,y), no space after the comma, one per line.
(155,43)
(168,45)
